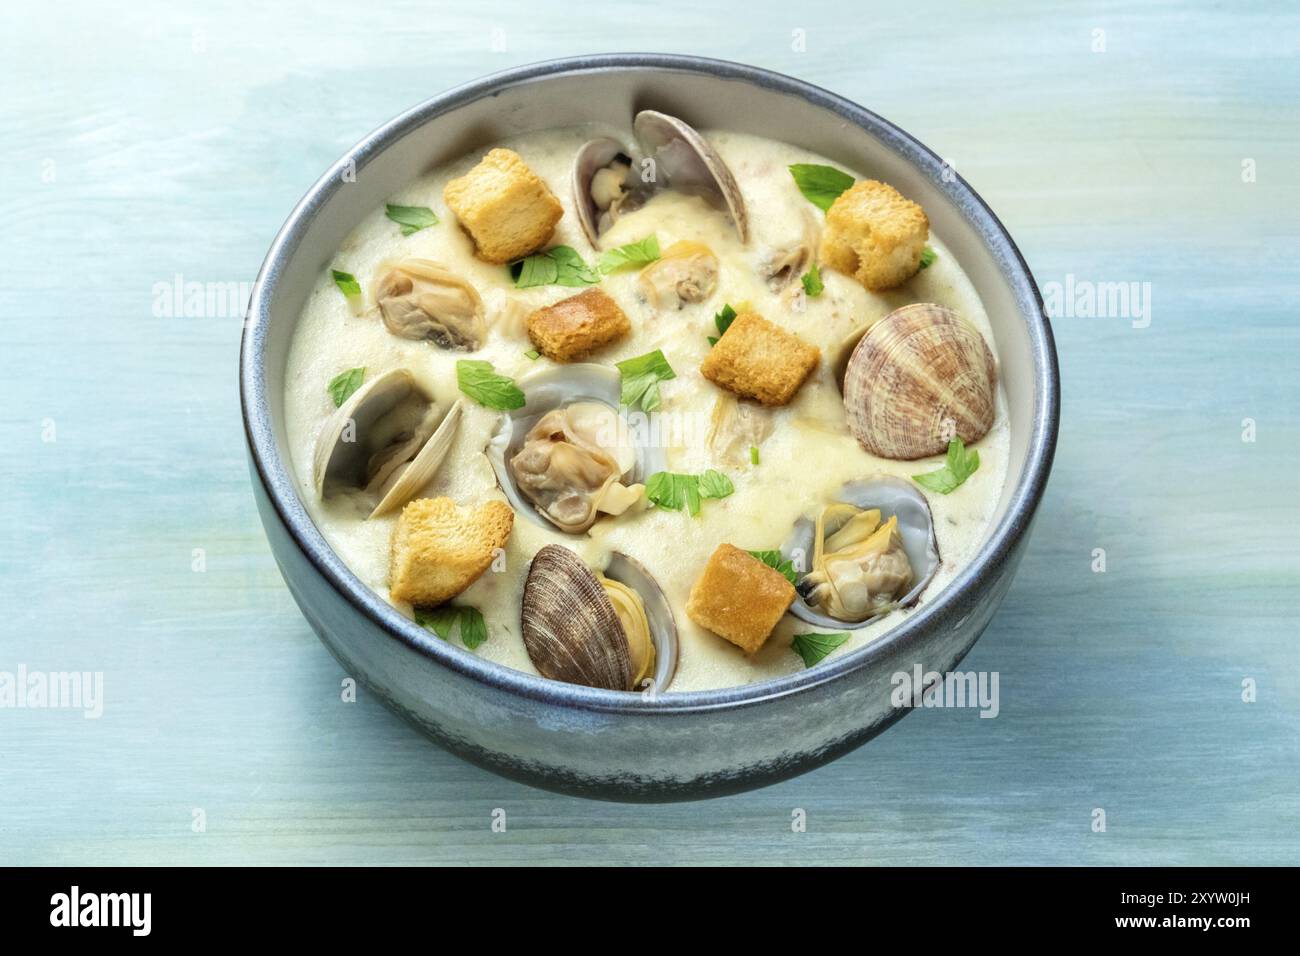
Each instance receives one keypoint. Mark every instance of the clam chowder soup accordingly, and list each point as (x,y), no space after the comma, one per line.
(648,409)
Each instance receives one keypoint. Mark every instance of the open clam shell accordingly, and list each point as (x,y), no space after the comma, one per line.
(555,388)
(385,442)
(894,497)
(573,633)
(682,160)
(600,201)
(663,626)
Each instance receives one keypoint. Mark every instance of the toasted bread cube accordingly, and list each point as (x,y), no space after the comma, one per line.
(575,327)
(439,549)
(504,207)
(739,597)
(759,360)
(875,235)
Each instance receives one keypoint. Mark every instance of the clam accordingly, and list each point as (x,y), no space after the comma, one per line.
(604,185)
(569,455)
(420,299)
(919,377)
(611,178)
(687,272)
(787,264)
(869,551)
(613,630)
(384,443)
(736,426)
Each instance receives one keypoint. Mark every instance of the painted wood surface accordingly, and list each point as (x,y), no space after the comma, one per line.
(147,141)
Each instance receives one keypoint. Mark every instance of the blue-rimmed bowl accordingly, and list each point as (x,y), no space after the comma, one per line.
(604,743)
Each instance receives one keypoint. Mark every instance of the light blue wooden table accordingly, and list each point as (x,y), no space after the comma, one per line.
(143,142)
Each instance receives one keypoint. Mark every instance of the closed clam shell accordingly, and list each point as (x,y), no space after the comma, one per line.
(919,377)
(570,628)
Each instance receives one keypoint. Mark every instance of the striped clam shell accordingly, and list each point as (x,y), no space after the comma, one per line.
(920,375)
(570,629)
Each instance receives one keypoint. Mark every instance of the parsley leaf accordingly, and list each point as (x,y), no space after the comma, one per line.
(443,620)
(347,283)
(479,380)
(714,484)
(559,266)
(820,185)
(342,385)
(723,322)
(928,256)
(641,378)
(773,559)
(813,648)
(411,218)
(812,281)
(753,454)
(674,492)
(534,271)
(959,466)
(532,355)
(633,254)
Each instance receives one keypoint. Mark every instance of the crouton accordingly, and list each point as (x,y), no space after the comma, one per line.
(575,327)
(759,360)
(875,235)
(739,597)
(504,207)
(439,549)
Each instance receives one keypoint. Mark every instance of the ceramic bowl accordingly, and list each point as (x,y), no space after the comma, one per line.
(604,743)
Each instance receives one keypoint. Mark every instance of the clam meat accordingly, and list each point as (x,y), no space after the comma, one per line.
(569,455)
(420,299)
(384,443)
(610,178)
(737,426)
(686,272)
(613,630)
(571,464)
(919,377)
(867,552)
(787,264)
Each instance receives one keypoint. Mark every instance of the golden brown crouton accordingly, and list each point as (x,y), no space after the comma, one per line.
(575,327)
(439,549)
(739,597)
(759,360)
(502,204)
(875,235)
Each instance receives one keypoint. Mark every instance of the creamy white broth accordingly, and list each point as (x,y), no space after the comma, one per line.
(804,461)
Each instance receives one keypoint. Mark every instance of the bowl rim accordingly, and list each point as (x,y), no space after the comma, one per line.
(281,489)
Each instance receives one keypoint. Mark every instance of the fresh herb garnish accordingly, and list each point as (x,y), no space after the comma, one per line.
(928,256)
(774,560)
(480,381)
(753,454)
(342,385)
(633,254)
(960,465)
(812,281)
(411,218)
(559,266)
(674,492)
(641,378)
(532,354)
(443,620)
(723,322)
(347,283)
(820,185)
(714,484)
(813,648)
